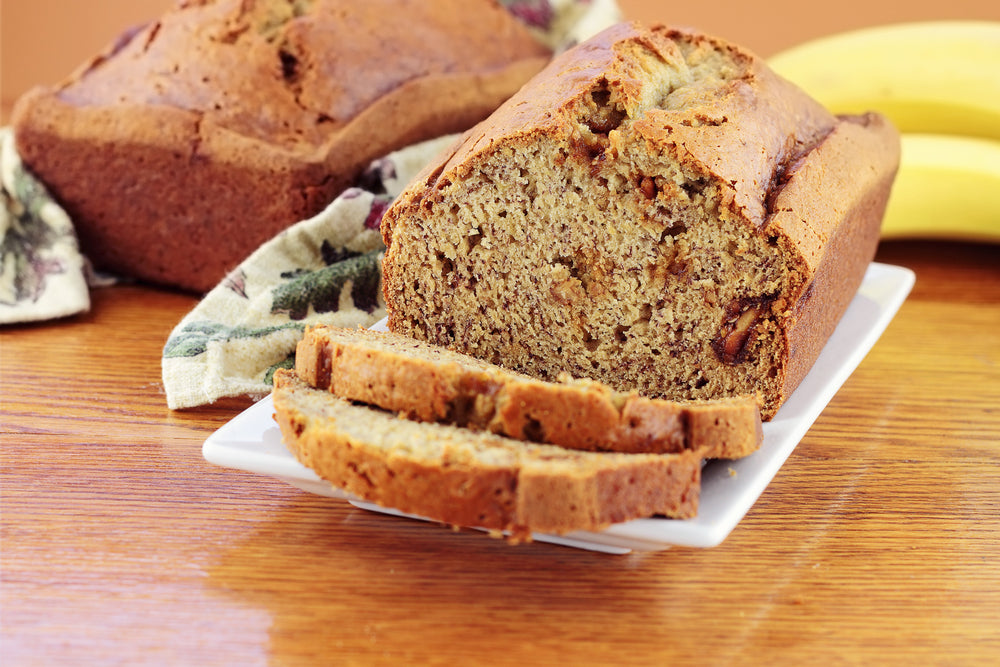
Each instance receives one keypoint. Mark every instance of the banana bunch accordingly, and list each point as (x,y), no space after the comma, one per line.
(939,83)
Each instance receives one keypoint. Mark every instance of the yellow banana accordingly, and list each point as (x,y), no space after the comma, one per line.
(931,77)
(947,187)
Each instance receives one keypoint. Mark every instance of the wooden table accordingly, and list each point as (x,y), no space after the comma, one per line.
(878,541)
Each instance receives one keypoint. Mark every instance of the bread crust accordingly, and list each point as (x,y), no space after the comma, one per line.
(455,476)
(189,143)
(837,237)
(432,384)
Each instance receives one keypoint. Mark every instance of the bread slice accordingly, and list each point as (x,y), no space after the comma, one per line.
(430,383)
(476,479)
(656,210)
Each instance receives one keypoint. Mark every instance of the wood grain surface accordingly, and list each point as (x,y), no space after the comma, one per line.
(878,542)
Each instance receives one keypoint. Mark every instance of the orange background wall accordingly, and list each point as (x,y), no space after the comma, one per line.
(43,40)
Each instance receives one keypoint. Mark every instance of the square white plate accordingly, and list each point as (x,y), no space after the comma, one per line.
(252,441)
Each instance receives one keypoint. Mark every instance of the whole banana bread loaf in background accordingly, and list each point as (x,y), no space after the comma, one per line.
(657,211)
(195,139)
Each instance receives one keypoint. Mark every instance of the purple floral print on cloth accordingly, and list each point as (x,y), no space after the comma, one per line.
(535,13)
(42,273)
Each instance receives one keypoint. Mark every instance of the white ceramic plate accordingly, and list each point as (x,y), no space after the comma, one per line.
(252,442)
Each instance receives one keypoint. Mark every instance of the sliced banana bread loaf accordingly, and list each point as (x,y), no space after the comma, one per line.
(429,383)
(657,211)
(464,478)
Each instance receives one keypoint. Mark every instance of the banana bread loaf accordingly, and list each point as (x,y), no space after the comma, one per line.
(429,383)
(195,139)
(464,478)
(656,210)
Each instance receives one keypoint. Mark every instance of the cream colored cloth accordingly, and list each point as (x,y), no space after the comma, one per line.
(42,273)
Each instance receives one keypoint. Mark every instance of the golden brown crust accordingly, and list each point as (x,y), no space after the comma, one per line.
(709,223)
(191,142)
(459,477)
(836,236)
(432,384)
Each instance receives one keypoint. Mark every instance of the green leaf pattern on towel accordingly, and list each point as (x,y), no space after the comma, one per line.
(194,339)
(288,363)
(323,290)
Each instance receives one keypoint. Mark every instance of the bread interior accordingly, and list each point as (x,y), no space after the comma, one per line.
(605,256)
